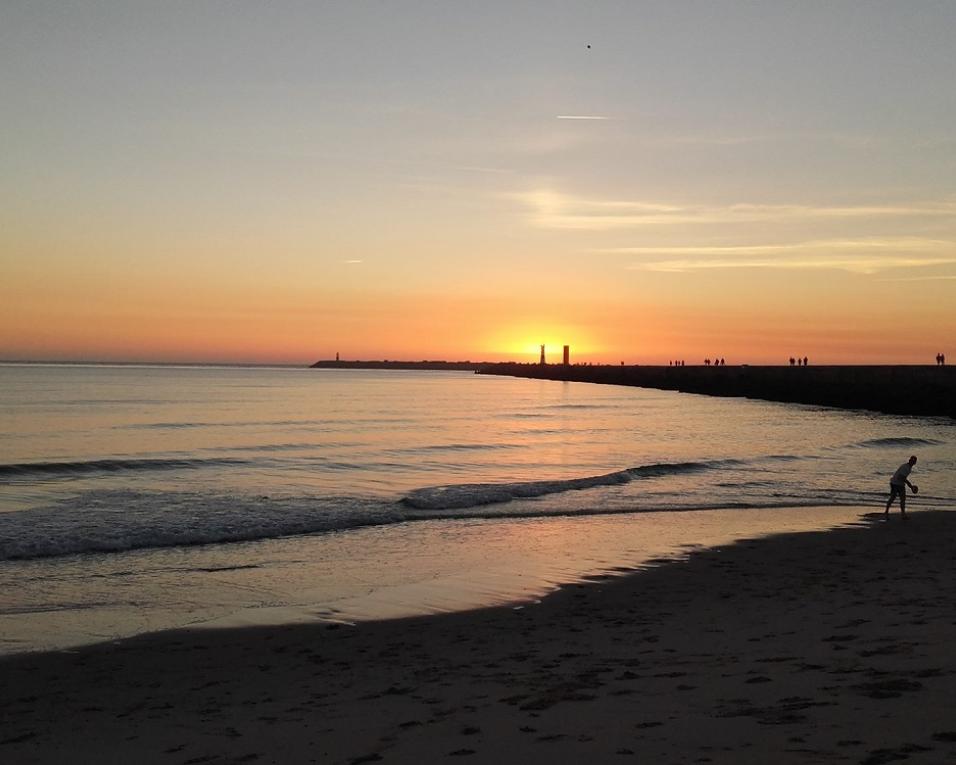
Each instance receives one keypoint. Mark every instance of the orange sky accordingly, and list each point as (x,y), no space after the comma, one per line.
(422,182)
(169,324)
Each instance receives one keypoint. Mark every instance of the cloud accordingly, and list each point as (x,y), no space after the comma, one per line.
(350,262)
(856,265)
(710,140)
(850,252)
(480,169)
(865,256)
(549,209)
(892,244)
(847,140)
(935,278)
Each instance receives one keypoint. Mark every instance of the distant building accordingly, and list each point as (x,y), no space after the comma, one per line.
(567,355)
(542,355)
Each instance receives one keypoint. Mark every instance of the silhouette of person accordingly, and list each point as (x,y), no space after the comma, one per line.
(898,484)
(804,361)
(792,361)
(937,359)
(722,362)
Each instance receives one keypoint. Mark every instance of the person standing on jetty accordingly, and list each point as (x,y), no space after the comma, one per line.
(898,484)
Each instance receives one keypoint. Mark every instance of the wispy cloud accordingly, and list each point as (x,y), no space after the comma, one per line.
(865,256)
(885,244)
(481,169)
(848,140)
(857,265)
(351,262)
(935,278)
(673,139)
(549,209)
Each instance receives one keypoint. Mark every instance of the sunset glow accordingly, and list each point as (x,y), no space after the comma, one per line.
(279,183)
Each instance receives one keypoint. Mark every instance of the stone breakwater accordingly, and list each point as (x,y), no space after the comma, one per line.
(427,366)
(914,390)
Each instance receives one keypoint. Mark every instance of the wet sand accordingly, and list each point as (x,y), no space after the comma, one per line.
(830,646)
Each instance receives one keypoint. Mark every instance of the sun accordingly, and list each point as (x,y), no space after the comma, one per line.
(524,343)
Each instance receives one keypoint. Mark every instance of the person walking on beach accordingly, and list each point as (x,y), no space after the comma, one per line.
(898,484)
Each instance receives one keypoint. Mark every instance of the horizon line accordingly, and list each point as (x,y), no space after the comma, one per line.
(309,365)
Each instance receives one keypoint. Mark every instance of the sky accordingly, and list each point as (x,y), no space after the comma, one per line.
(278,182)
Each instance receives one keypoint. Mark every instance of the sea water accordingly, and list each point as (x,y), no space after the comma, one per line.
(135,498)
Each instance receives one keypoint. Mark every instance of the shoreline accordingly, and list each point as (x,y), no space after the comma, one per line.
(365,574)
(801,647)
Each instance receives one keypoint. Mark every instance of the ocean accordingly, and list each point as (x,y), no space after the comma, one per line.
(138,498)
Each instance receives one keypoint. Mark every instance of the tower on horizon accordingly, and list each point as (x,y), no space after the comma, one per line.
(567,355)
(542,355)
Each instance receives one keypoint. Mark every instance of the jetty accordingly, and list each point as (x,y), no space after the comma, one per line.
(431,366)
(911,390)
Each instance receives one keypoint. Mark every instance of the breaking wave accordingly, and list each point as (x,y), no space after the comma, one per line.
(897,441)
(53,469)
(458,496)
(103,521)
(107,520)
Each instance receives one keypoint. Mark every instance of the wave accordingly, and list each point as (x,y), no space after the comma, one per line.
(487,513)
(82,467)
(581,406)
(896,441)
(163,425)
(301,424)
(108,521)
(464,495)
(454,448)
(116,521)
(290,447)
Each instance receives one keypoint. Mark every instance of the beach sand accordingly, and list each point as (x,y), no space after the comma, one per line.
(814,647)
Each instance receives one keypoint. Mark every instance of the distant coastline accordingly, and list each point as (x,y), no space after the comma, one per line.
(909,390)
(184,364)
(452,366)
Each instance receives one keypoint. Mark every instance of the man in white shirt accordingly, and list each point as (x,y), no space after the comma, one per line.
(898,484)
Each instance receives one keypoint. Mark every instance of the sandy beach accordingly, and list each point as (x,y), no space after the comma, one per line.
(831,646)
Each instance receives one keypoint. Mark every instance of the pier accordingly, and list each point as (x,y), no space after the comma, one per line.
(912,390)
